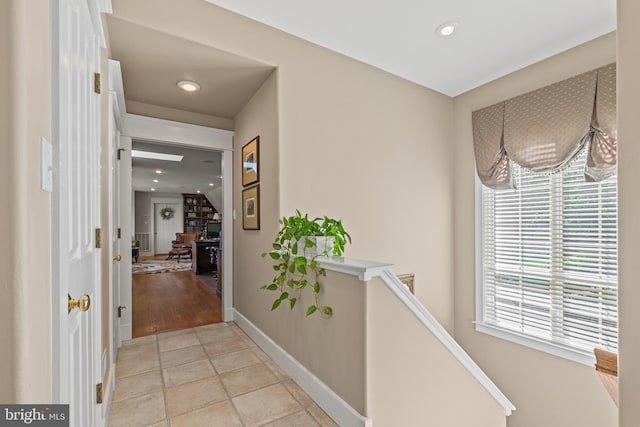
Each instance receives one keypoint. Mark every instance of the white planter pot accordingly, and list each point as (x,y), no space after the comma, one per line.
(324,246)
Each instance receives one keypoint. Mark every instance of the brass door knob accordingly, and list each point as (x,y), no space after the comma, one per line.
(117,258)
(83,303)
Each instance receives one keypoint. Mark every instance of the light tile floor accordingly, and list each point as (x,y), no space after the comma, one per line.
(212,375)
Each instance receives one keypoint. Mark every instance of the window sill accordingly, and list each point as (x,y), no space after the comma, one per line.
(572,354)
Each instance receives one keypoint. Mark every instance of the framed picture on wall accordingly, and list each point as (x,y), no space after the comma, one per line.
(251,208)
(251,162)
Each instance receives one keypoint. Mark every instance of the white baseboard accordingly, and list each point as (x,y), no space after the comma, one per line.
(339,410)
(229,314)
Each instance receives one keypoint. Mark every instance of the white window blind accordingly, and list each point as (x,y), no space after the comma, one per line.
(549,259)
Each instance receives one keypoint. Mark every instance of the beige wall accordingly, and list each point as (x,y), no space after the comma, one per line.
(312,341)
(336,115)
(546,390)
(417,381)
(7,213)
(150,110)
(25,117)
(629,209)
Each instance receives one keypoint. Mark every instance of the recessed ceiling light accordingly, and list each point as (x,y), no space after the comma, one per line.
(153,189)
(156,156)
(198,191)
(155,180)
(158,171)
(446,29)
(188,86)
(211,184)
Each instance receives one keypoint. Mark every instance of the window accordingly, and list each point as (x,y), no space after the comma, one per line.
(548,264)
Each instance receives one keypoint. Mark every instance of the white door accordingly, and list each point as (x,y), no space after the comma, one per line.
(76,213)
(166,229)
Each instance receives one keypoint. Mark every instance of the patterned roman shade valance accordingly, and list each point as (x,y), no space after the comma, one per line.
(545,130)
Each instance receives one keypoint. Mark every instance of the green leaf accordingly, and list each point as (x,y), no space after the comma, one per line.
(313,264)
(277,267)
(292,302)
(302,269)
(276,304)
(274,255)
(316,287)
(300,260)
(292,268)
(277,246)
(272,287)
(284,296)
(308,243)
(312,309)
(302,284)
(328,311)
(263,254)
(294,249)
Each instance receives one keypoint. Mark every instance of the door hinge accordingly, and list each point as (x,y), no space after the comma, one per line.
(119,233)
(99,393)
(98,238)
(120,150)
(96,82)
(120,308)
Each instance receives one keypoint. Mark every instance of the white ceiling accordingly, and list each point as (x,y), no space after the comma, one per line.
(194,173)
(494,37)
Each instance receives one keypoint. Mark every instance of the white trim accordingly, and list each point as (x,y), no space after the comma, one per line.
(339,410)
(107,394)
(97,8)
(479,242)
(183,134)
(117,88)
(227,235)
(575,355)
(125,332)
(430,322)
(364,270)
(152,129)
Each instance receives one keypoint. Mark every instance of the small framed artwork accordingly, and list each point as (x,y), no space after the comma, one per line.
(250,162)
(251,208)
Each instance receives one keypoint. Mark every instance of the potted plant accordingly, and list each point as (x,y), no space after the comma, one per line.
(299,242)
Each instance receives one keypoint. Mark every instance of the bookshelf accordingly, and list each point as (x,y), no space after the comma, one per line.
(197,212)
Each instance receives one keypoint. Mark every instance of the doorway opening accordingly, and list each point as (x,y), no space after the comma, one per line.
(176,280)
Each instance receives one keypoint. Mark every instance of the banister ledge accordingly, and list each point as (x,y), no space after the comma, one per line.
(364,270)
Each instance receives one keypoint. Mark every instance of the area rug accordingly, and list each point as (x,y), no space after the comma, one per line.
(160,266)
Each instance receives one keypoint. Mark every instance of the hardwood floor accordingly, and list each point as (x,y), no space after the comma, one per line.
(172,301)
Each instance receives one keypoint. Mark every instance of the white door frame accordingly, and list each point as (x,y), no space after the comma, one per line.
(159,130)
(124,323)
